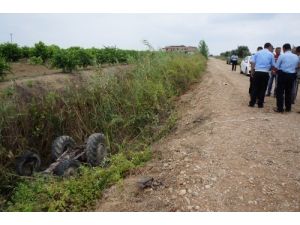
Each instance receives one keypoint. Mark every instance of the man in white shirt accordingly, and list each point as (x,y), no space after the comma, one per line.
(287,64)
(251,77)
(262,63)
(297,81)
(234,59)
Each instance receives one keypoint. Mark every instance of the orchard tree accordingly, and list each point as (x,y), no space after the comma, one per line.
(51,49)
(65,59)
(242,51)
(4,67)
(203,48)
(41,50)
(11,52)
(85,58)
(25,52)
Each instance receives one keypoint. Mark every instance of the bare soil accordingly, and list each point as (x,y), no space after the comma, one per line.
(222,156)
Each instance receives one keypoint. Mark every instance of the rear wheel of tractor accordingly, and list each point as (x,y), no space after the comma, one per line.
(60,145)
(28,163)
(95,149)
(66,168)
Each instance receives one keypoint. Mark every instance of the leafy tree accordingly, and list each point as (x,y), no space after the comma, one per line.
(203,48)
(51,50)
(242,51)
(11,52)
(41,50)
(65,59)
(4,67)
(112,55)
(25,52)
(85,58)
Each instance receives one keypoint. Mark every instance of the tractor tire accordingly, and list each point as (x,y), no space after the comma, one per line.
(28,163)
(60,145)
(66,168)
(95,149)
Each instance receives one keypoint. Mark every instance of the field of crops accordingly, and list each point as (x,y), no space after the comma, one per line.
(132,108)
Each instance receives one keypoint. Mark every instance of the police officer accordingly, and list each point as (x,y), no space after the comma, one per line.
(251,77)
(262,62)
(287,64)
(297,81)
(234,59)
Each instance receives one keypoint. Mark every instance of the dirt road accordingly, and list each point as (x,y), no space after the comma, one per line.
(222,156)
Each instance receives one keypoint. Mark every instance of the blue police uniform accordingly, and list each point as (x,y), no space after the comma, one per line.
(287,64)
(264,61)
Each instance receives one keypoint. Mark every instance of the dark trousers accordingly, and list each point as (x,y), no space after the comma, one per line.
(234,63)
(260,83)
(251,85)
(285,82)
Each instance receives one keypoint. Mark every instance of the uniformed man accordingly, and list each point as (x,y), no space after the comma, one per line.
(234,60)
(297,81)
(262,63)
(286,65)
(251,77)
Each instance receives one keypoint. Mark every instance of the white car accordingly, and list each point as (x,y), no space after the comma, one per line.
(245,67)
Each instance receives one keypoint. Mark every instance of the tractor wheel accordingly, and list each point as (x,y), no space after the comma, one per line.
(95,149)
(60,145)
(66,168)
(28,163)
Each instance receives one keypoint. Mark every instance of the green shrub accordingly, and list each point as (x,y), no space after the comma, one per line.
(11,52)
(4,68)
(52,49)
(66,59)
(36,60)
(40,50)
(85,58)
(113,55)
(77,193)
(26,52)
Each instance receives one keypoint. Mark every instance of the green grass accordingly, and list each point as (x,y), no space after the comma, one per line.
(77,193)
(133,108)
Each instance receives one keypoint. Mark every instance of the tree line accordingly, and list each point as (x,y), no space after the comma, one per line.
(241,51)
(67,59)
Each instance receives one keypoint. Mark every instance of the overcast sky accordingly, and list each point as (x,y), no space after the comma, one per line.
(220,31)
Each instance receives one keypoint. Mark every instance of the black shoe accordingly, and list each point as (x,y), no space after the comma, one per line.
(287,110)
(277,110)
(251,105)
(260,106)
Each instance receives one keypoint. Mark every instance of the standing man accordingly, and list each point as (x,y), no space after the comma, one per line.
(287,64)
(273,74)
(297,81)
(262,62)
(234,59)
(251,77)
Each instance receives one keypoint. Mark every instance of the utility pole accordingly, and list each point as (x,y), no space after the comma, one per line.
(11,34)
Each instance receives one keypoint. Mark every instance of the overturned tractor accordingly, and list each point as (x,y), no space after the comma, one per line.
(66,156)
